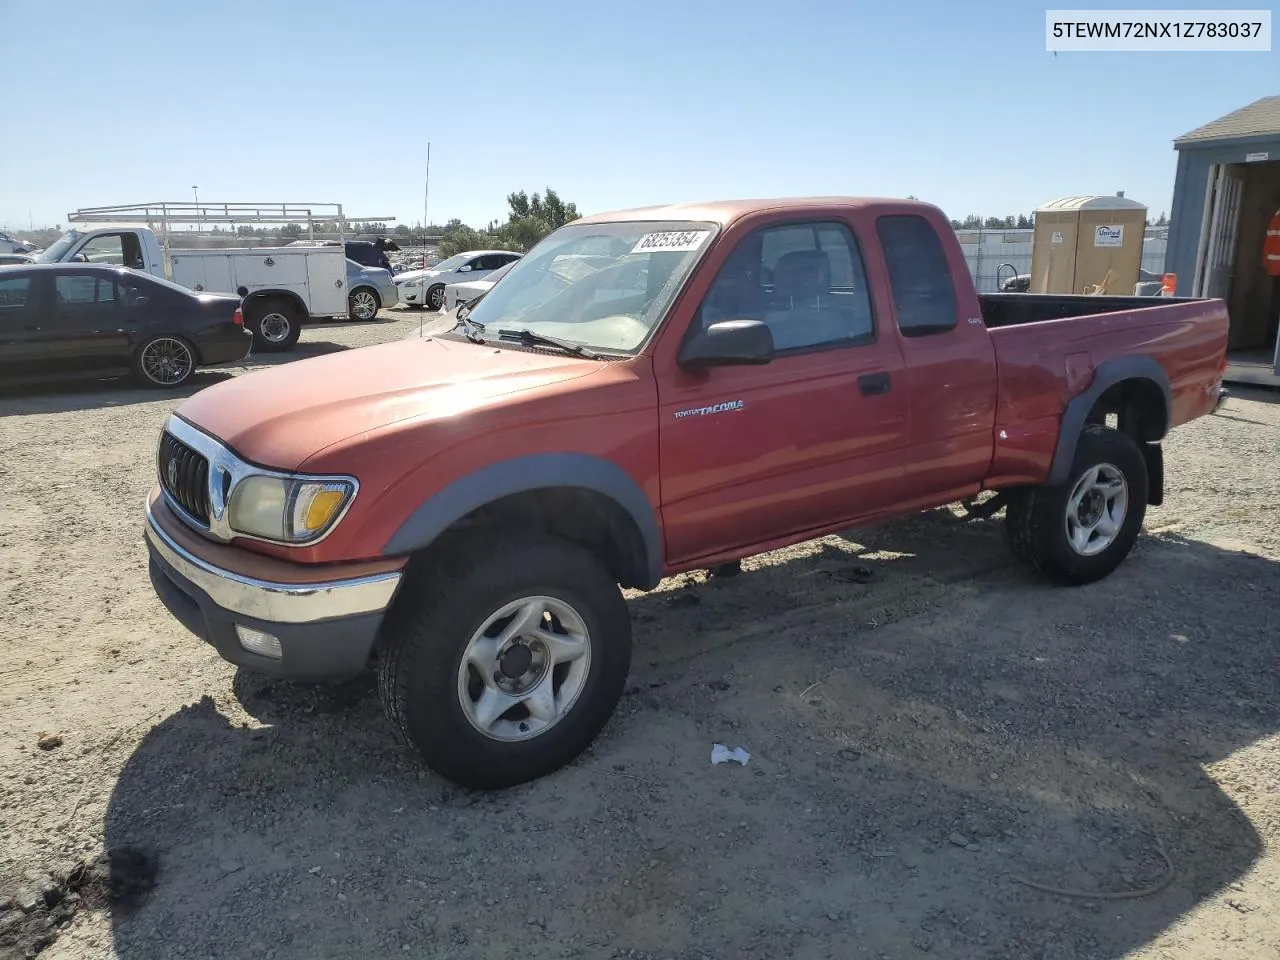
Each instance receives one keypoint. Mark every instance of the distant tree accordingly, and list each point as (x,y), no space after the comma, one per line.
(1163,220)
(291,230)
(1025,222)
(464,238)
(530,217)
(401,230)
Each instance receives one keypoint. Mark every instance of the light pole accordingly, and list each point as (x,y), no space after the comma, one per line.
(195,191)
(426,196)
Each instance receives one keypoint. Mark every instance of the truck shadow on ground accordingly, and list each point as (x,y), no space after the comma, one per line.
(921,738)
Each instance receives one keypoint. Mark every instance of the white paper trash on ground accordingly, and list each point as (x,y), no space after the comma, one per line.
(722,754)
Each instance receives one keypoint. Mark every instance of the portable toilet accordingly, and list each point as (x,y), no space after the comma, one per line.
(1088,245)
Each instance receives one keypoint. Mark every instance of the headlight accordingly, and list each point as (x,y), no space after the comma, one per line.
(289,510)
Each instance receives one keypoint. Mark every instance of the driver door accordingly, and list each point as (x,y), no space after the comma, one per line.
(752,454)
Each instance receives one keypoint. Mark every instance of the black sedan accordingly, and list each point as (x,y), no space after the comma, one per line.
(69,320)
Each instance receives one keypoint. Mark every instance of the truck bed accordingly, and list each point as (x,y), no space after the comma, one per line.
(1016,309)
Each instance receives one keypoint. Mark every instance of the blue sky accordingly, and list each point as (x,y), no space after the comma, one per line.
(612,104)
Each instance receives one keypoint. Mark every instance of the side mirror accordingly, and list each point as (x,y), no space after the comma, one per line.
(465,268)
(729,343)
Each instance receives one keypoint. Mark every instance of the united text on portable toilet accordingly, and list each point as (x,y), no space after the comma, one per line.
(1088,245)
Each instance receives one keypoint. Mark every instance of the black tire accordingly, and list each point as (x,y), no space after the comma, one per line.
(1036,521)
(353,307)
(436,615)
(435,297)
(164,353)
(276,324)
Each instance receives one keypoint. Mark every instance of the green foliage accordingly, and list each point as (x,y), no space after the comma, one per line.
(529,219)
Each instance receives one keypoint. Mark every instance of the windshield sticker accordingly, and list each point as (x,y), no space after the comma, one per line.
(674,241)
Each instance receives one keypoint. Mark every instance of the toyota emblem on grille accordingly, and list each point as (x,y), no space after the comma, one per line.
(172,471)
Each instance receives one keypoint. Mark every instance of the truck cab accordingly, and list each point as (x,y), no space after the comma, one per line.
(137,248)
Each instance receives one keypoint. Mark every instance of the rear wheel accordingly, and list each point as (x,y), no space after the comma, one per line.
(1081,531)
(275,324)
(506,664)
(363,304)
(165,362)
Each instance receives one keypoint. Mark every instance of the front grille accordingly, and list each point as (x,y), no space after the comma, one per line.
(184,474)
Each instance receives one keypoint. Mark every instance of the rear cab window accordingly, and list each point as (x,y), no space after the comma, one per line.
(924,292)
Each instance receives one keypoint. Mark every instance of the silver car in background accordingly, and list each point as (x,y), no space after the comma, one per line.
(369,289)
(456,294)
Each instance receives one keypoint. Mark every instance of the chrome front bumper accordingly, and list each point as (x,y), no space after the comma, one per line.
(286,603)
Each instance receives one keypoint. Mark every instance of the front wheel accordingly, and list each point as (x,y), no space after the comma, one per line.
(1081,531)
(435,297)
(505,665)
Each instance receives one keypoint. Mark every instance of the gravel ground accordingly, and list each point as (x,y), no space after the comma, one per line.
(929,749)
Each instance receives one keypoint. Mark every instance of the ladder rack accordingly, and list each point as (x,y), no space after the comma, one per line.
(166,215)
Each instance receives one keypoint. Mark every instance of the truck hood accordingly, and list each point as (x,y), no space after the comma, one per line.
(282,416)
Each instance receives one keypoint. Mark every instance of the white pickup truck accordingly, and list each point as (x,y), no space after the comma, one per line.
(282,287)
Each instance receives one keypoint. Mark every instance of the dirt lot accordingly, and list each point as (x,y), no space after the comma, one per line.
(921,745)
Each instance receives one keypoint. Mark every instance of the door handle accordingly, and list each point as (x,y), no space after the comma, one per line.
(875,384)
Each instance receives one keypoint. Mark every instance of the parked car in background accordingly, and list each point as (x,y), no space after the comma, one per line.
(10,244)
(425,288)
(282,287)
(64,321)
(369,289)
(367,253)
(459,293)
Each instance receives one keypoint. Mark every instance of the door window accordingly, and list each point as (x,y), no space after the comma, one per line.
(806,281)
(924,294)
(79,289)
(14,294)
(108,248)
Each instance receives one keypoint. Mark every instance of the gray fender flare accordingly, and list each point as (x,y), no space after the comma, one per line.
(522,475)
(1107,375)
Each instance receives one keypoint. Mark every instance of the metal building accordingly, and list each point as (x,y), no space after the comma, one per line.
(1226,193)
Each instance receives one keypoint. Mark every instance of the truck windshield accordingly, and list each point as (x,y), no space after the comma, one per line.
(56,250)
(602,285)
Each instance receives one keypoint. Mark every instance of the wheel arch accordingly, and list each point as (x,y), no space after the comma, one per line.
(274,294)
(1134,388)
(581,498)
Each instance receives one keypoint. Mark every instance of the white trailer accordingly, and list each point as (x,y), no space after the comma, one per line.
(282,286)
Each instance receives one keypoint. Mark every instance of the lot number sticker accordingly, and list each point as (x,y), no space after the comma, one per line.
(674,241)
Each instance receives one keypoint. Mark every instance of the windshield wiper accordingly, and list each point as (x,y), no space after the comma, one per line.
(470,329)
(531,339)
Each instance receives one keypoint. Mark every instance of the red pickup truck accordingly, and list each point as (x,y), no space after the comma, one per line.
(648,392)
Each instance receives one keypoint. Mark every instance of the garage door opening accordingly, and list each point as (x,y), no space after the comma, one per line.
(1240,201)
